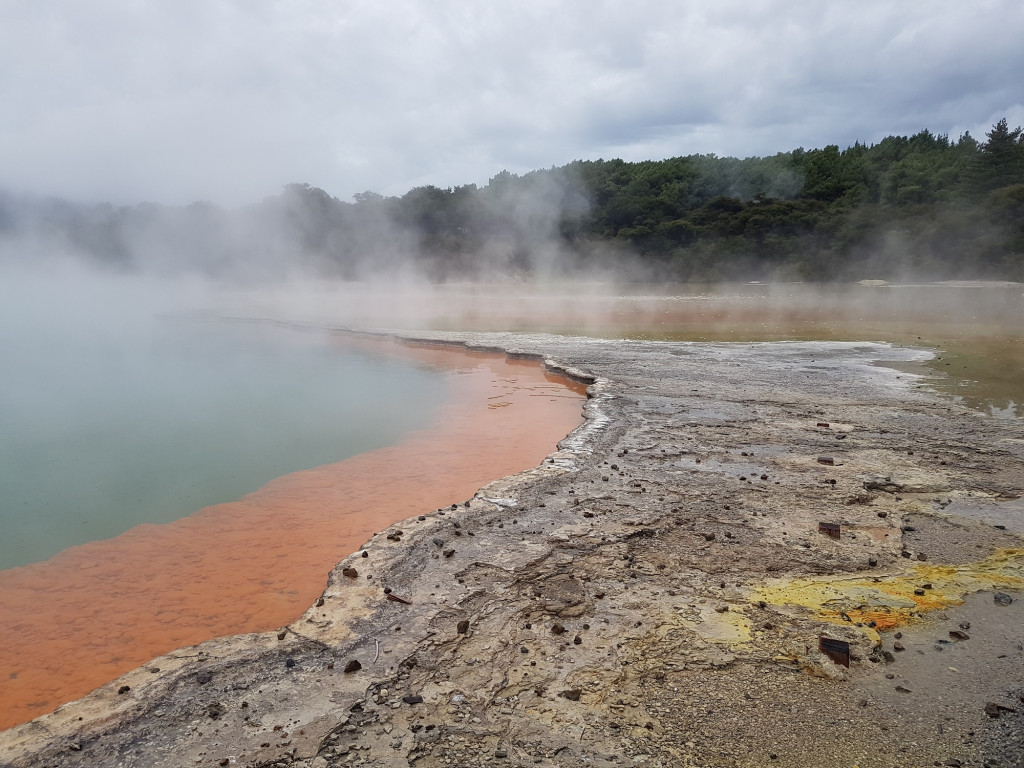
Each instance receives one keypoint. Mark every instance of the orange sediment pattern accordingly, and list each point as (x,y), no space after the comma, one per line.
(95,611)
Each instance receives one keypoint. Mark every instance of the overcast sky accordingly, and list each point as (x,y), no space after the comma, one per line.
(227,100)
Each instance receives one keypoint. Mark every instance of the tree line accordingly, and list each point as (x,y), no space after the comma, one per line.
(922,207)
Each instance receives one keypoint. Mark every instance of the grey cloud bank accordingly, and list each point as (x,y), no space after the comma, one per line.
(227,101)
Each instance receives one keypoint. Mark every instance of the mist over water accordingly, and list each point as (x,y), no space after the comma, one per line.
(119,407)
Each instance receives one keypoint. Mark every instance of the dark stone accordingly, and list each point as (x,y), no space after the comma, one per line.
(290,663)
(872,562)
(1001,598)
(319,602)
(462,627)
(523,649)
(557,629)
(577,640)
(124,689)
(350,573)
(500,753)
(449,552)
(413,699)
(572,694)
(214,711)
(897,646)
(353,666)
(956,634)
(365,553)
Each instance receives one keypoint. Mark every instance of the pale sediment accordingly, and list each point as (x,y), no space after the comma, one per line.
(653,593)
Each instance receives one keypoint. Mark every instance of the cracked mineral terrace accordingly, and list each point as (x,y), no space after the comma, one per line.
(655,593)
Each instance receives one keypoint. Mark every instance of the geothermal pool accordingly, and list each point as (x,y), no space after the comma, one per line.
(104,432)
(170,482)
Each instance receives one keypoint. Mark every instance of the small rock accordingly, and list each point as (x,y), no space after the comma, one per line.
(353,666)
(898,646)
(500,753)
(290,663)
(721,609)
(993,710)
(577,640)
(901,689)
(365,554)
(922,556)
(123,689)
(956,634)
(872,562)
(919,592)
(883,514)
(350,573)
(1001,598)
(557,629)
(415,699)
(572,694)
(709,536)
(462,627)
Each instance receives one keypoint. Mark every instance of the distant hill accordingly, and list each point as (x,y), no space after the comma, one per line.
(922,206)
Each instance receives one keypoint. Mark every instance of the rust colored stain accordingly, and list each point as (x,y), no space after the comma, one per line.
(95,611)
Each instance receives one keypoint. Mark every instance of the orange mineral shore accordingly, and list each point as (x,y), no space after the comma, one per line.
(95,611)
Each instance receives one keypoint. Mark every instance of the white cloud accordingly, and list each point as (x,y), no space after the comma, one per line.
(228,100)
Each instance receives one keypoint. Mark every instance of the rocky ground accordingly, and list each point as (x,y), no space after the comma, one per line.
(654,594)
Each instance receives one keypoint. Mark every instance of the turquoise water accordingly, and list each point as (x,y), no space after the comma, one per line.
(114,414)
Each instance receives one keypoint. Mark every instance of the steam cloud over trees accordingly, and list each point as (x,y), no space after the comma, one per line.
(922,205)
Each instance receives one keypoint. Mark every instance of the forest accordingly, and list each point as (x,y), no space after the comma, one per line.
(920,207)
